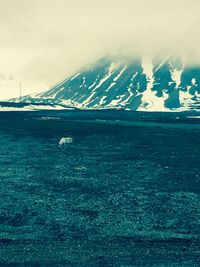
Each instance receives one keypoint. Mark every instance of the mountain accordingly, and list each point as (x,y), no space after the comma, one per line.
(143,85)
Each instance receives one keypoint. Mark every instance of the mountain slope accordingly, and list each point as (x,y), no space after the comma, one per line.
(136,85)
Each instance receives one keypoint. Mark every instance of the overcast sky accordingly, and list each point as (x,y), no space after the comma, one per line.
(44,41)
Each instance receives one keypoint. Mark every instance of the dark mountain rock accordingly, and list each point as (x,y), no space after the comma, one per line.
(135,85)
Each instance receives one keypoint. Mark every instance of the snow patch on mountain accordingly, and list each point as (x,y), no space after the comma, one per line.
(143,85)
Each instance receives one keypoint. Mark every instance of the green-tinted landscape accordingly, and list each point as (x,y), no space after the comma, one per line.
(120,195)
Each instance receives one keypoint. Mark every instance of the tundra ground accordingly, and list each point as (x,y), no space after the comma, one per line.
(119,195)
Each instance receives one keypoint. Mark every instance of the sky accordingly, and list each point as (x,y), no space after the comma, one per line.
(44,41)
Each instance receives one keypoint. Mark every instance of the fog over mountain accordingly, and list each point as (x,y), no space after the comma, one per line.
(44,41)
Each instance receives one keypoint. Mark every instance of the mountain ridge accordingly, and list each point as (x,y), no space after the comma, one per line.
(139,84)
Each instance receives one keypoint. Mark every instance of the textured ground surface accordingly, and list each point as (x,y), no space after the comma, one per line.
(118,196)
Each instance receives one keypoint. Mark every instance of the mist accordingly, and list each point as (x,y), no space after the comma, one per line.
(44,41)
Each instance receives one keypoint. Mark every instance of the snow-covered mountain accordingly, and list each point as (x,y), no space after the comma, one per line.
(144,85)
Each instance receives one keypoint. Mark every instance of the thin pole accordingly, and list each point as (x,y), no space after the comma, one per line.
(20,92)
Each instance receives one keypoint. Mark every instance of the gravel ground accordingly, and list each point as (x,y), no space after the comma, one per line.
(118,196)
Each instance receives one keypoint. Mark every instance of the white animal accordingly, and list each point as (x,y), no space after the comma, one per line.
(64,141)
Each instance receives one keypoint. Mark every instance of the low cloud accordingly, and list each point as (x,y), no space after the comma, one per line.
(46,40)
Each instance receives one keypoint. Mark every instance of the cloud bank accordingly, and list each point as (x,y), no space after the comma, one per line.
(43,41)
